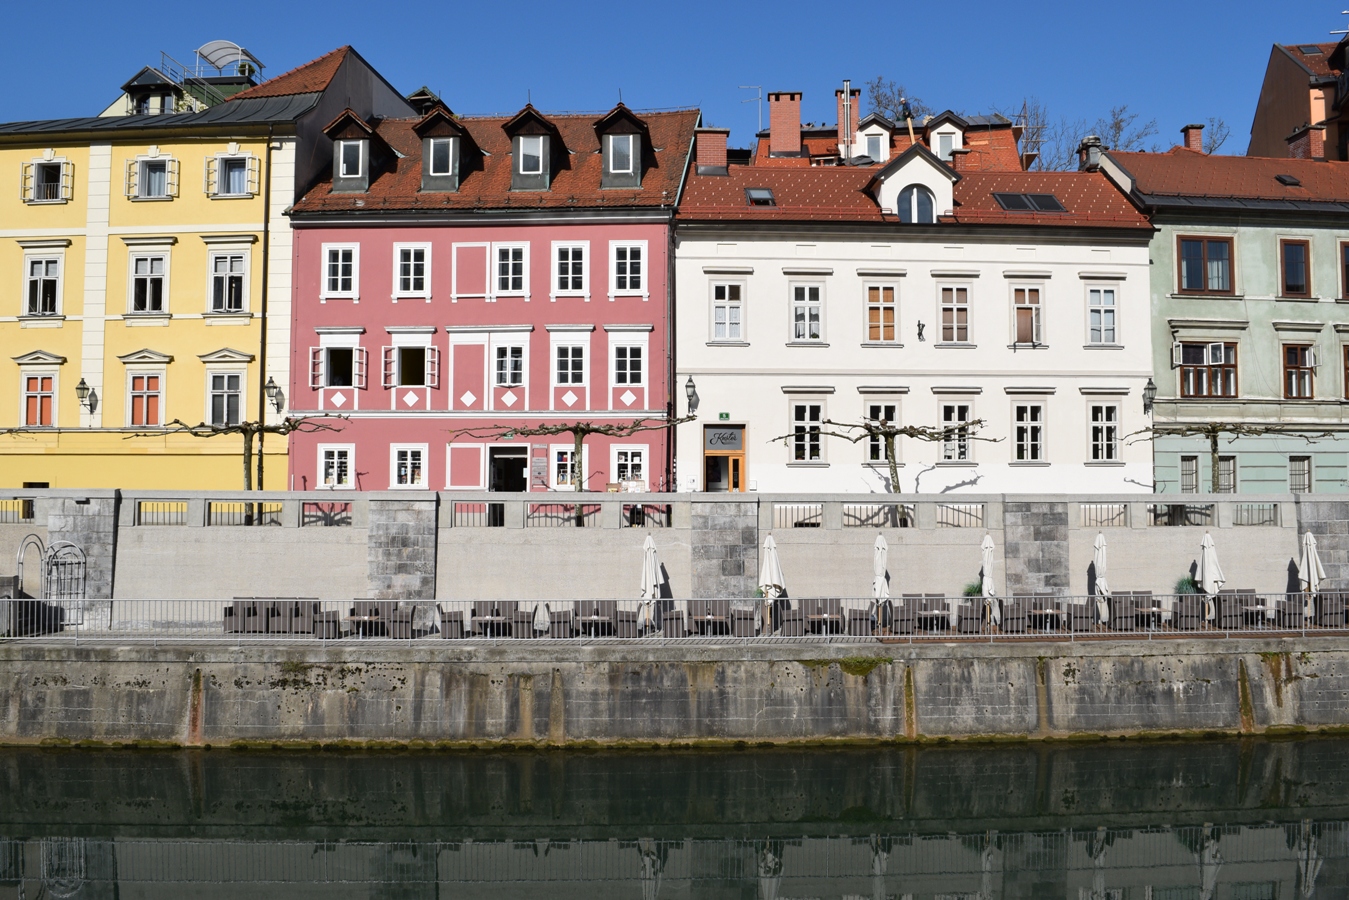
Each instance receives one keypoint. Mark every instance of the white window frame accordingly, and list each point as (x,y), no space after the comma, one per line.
(570,450)
(806,303)
(880,146)
(245,276)
(399,293)
(968,305)
(792,405)
(1112,309)
(874,447)
(350,451)
(211,373)
(961,449)
(523,347)
(493,272)
(136,180)
(628,344)
(644,449)
(28,180)
(739,304)
(215,168)
(538,142)
(632,147)
(26,372)
(1036,433)
(325,291)
(138,372)
(342,159)
(391,363)
(431,156)
(393,467)
(59,257)
(137,253)
(1037,312)
(1111,446)
(584,347)
(553,276)
(881,286)
(644,289)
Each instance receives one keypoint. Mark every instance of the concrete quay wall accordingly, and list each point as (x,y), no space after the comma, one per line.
(544,693)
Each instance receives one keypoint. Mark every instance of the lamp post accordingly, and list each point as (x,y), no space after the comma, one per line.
(691,392)
(1149,395)
(273,392)
(84,393)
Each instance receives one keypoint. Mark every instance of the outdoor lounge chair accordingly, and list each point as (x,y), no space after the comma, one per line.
(451,623)
(860,622)
(1123,611)
(1229,608)
(1189,612)
(560,623)
(1079,617)
(792,621)
(522,623)
(327,624)
(674,624)
(742,623)
(710,616)
(1014,614)
(970,616)
(1292,611)
(902,615)
(625,623)
(297,614)
(1330,609)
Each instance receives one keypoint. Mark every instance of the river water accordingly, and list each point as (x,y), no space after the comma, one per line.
(1204,820)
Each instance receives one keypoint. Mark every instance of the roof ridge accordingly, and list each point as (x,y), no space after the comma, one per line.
(291,73)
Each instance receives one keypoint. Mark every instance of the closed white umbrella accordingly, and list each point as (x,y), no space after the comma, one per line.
(1309,570)
(1210,861)
(1211,576)
(880,585)
(650,590)
(990,593)
(1102,589)
(771,581)
(1309,862)
(652,867)
(541,617)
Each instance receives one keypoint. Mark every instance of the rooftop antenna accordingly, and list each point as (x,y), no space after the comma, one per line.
(620,96)
(758,98)
(1344,12)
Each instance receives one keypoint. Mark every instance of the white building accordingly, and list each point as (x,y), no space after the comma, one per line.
(922,292)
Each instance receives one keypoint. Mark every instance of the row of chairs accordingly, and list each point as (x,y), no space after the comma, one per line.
(306,615)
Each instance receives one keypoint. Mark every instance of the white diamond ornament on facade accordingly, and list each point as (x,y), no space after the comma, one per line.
(410,398)
(627,397)
(467,398)
(569,398)
(338,400)
(509,398)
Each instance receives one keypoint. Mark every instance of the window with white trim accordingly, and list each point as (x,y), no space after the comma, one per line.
(39,398)
(512,274)
(411,365)
(338,362)
(955,314)
(917,206)
(1026,314)
(412,275)
(874,147)
(630,464)
(231,175)
(47,181)
(628,368)
(1100,315)
(341,270)
(510,366)
(152,179)
(42,286)
(336,465)
(1300,474)
(881,314)
(145,398)
(1028,422)
(621,153)
(806,442)
(569,264)
(570,367)
(1189,474)
(531,154)
(407,466)
(339,366)
(878,414)
(955,419)
(1104,434)
(628,260)
(148,276)
(226,394)
(229,282)
(563,467)
(727,324)
(442,156)
(807,312)
(351,159)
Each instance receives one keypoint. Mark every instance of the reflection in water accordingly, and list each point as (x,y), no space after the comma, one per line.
(1207,821)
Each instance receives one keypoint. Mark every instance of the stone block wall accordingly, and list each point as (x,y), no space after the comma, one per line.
(1036,547)
(401,548)
(89,523)
(724,545)
(1329,521)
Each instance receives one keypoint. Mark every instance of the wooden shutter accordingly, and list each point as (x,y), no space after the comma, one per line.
(1311,358)
(316,367)
(171,177)
(254,174)
(360,362)
(433,367)
(210,182)
(132,171)
(67,181)
(390,363)
(26,182)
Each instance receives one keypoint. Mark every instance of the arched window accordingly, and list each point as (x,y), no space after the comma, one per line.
(916,205)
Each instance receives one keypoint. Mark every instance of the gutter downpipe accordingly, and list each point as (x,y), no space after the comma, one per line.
(262,308)
(671,374)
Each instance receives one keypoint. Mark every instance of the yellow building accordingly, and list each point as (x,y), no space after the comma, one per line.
(148,264)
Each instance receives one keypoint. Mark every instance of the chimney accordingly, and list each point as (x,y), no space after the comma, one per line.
(1194,137)
(784,123)
(847,101)
(1307,142)
(710,153)
(960,159)
(1089,154)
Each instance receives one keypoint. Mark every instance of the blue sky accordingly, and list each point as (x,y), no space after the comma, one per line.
(1175,61)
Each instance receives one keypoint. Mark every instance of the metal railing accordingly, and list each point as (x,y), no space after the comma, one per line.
(960,515)
(240,513)
(161,512)
(1138,615)
(17,511)
(1105,515)
(878,515)
(325,515)
(1266,514)
(562,515)
(798,515)
(1180,514)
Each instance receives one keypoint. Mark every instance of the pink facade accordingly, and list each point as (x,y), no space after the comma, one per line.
(418,332)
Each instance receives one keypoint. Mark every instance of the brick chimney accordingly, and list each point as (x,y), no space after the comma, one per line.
(847,119)
(960,159)
(1194,137)
(710,152)
(784,123)
(1307,142)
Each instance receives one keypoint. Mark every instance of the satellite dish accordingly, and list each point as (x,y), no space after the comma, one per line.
(223,54)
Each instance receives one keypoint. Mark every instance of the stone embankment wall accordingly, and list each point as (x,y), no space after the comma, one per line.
(488,693)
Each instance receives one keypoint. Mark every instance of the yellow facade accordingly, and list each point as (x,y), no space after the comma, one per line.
(200,256)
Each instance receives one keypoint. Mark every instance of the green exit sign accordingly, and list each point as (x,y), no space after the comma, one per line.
(723,417)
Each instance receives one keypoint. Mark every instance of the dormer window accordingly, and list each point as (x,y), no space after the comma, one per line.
(945,144)
(621,153)
(531,154)
(441,157)
(916,206)
(874,147)
(350,159)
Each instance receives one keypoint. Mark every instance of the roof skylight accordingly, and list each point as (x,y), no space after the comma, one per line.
(1309,49)
(760,197)
(1029,202)
(1288,180)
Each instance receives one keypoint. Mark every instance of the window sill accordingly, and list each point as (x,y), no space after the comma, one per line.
(808,465)
(886,344)
(881,465)
(1036,345)
(633,295)
(556,297)
(232,196)
(728,343)
(1104,463)
(149,199)
(956,463)
(396,297)
(227,318)
(1029,463)
(41,321)
(1283,298)
(146,318)
(1185,295)
(57,202)
(1102,346)
(407,487)
(806,344)
(955,345)
(354,298)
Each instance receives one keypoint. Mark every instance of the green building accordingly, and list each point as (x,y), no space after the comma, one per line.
(1250,315)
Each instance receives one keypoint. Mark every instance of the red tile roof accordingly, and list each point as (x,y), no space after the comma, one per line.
(838,193)
(1317,63)
(1185,173)
(486,182)
(991,149)
(310,78)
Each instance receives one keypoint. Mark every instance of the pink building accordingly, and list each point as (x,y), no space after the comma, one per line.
(465,273)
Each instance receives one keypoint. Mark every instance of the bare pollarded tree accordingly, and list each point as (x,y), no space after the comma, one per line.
(249,431)
(1215,432)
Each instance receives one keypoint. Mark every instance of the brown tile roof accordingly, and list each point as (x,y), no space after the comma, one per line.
(486,182)
(838,193)
(1317,63)
(309,78)
(1185,173)
(991,149)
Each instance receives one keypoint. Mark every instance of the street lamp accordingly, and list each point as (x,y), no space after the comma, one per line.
(273,392)
(82,391)
(691,392)
(1149,395)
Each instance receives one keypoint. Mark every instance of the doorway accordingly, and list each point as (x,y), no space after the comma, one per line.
(724,458)
(506,469)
